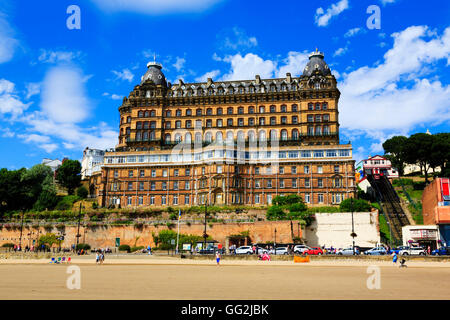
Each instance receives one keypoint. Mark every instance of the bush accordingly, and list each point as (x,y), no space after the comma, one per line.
(95,205)
(124,247)
(173,216)
(8,245)
(82,192)
(83,246)
(134,249)
(355,205)
(66,203)
(275,213)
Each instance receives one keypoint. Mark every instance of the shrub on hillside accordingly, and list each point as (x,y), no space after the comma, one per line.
(124,247)
(355,205)
(8,245)
(66,203)
(83,246)
(82,192)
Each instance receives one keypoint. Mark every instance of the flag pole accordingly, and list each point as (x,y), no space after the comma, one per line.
(178,233)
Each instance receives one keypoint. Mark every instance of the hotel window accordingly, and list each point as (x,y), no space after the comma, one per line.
(317,106)
(168,113)
(283,120)
(198,112)
(326,117)
(130,186)
(319,169)
(116,174)
(294,183)
(230,110)
(164,186)
(229,122)
(153,173)
(262,109)
(240,122)
(318,118)
(189,112)
(187,185)
(310,131)
(209,112)
(326,130)
(178,113)
(283,108)
(269,170)
(307,198)
(152,199)
(128,130)
(152,124)
(281,183)
(251,121)
(167,125)
(337,182)
(178,124)
(257,183)
(320,198)
(320,183)
(256,170)
(219,111)
(240,110)
(306,169)
(203,170)
(176,172)
(251,109)
(129,201)
(165,173)
(146,125)
(198,124)
(186,199)
(209,123)
(262,121)
(175,185)
(163,200)
(130,173)
(153,113)
(269,183)
(318,130)
(295,134)
(219,169)
(294,120)
(187,172)
(294,108)
(273,121)
(128,119)
(281,170)
(153,186)
(257,198)
(273,109)
(310,118)
(188,124)
(141,186)
(324,106)
(293,170)
(219,123)
(142,173)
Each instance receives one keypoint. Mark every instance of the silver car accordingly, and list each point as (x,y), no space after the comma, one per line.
(347,252)
(413,251)
(280,250)
(300,248)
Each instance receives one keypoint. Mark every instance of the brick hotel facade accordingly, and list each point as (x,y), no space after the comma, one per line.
(241,142)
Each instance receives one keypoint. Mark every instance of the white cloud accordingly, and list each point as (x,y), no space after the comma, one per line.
(179,63)
(155,7)
(322,18)
(294,64)
(8,43)
(391,96)
(125,75)
(211,74)
(57,57)
(63,95)
(113,96)
(384,2)
(236,39)
(340,52)
(7,133)
(248,66)
(39,141)
(9,102)
(33,88)
(353,32)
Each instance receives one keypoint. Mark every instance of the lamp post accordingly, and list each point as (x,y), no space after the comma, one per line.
(204,232)
(21,228)
(390,234)
(78,229)
(275,242)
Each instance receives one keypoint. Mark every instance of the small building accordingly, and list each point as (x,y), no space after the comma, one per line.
(378,165)
(92,162)
(436,207)
(421,235)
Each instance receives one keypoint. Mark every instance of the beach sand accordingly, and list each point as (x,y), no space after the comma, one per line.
(174,278)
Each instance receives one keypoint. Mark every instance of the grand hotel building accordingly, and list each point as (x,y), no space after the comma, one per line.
(229,142)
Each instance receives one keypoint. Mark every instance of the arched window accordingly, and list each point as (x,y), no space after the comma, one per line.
(138,136)
(128,130)
(318,118)
(198,137)
(295,135)
(189,112)
(251,109)
(283,108)
(146,125)
(140,114)
(187,138)
(178,124)
(128,119)
(317,106)
(230,110)
(324,106)
(178,137)
(284,135)
(273,108)
(262,135)
(146,114)
(273,121)
(294,108)
(219,111)
(230,136)
(240,136)
(251,135)
(145,136)
(262,109)
(219,136)
(209,112)
(208,137)
(241,110)
(310,106)
(153,113)
(273,135)
(178,113)
(167,138)
(198,112)
(138,125)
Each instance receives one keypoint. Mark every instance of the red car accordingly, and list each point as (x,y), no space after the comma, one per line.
(314,251)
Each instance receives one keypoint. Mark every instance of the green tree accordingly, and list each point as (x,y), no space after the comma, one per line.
(275,213)
(82,192)
(48,239)
(418,149)
(355,205)
(68,175)
(394,151)
(11,191)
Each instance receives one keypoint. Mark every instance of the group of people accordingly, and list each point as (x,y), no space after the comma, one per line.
(100,256)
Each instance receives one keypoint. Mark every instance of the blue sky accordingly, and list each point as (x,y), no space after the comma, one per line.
(60,89)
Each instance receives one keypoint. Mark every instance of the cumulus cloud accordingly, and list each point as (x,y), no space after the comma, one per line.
(393,96)
(63,95)
(39,141)
(353,32)
(8,43)
(340,52)
(58,57)
(294,63)
(113,96)
(10,103)
(125,75)
(248,66)
(211,74)
(155,7)
(33,88)
(179,63)
(323,17)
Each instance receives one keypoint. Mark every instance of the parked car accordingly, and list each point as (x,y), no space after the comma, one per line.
(442,251)
(207,251)
(244,250)
(413,251)
(347,252)
(300,248)
(377,251)
(314,251)
(280,250)
(261,250)
(398,249)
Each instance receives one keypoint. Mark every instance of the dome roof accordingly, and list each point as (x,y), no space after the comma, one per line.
(154,73)
(316,62)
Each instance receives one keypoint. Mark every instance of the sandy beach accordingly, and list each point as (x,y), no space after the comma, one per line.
(174,278)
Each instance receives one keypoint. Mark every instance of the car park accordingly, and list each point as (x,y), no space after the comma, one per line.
(313,251)
(347,252)
(377,251)
(412,251)
(244,250)
(442,251)
(300,248)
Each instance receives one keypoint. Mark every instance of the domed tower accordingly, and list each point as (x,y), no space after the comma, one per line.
(316,65)
(154,74)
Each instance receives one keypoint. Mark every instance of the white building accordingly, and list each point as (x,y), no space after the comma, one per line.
(92,162)
(423,235)
(378,165)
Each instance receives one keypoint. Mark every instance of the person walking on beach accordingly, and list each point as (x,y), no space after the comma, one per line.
(394,258)
(97,257)
(218,258)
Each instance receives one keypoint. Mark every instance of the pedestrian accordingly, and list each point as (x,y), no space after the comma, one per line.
(102,257)
(97,258)
(218,258)
(394,258)
(429,250)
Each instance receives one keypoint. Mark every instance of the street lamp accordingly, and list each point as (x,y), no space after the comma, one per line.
(275,242)
(390,234)
(353,234)
(21,227)
(78,229)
